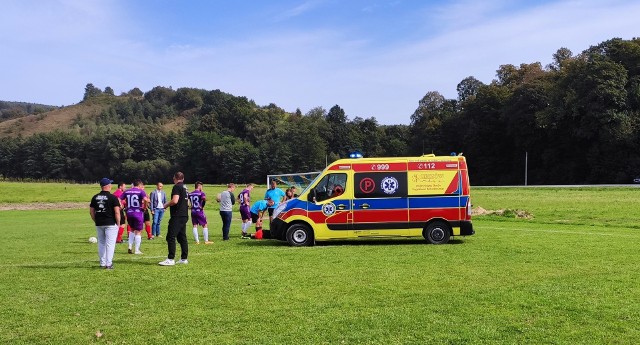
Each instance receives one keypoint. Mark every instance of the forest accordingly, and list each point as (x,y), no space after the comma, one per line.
(574,121)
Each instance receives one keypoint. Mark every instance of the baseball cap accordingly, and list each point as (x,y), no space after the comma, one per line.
(105,181)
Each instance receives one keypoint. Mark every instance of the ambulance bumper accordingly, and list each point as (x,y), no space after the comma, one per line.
(278,229)
(466,228)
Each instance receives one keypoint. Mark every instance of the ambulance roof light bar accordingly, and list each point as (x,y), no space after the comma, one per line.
(355,154)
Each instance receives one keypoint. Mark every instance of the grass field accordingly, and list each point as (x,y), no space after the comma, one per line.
(567,276)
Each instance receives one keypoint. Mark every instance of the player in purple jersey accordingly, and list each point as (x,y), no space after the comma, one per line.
(197,199)
(136,200)
(245,212)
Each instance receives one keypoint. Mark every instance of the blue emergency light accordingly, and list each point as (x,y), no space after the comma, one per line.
(355,154)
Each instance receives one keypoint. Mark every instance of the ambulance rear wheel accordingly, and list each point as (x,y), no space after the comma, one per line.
(437,233)
(299,235)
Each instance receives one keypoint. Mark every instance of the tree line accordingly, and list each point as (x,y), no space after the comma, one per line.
(220,138)
(575,121)
(12,110)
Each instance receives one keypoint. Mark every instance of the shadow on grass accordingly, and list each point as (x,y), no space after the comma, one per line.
(380,242)
(64,265)
(351,242)
(262,243)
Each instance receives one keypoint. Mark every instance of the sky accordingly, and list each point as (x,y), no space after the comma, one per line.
(372,58)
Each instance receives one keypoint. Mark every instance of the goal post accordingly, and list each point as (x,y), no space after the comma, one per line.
(300,180)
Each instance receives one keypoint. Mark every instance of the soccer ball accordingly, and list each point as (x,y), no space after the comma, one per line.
(93,240)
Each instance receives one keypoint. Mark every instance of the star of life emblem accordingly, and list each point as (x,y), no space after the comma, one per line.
(389,185)
(329,209)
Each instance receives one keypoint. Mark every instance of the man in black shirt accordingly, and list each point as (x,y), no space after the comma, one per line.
(178,222)
(105,212)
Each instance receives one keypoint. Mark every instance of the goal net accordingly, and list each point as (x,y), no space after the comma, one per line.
(300,180)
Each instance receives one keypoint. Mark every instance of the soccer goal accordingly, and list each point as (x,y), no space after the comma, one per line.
(300,180)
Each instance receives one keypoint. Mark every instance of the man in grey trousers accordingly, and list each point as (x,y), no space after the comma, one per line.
(226,200)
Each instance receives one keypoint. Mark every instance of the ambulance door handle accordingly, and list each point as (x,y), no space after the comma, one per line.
(365,205)
(342,207)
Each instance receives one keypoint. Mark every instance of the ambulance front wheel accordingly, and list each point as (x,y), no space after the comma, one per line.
(437,233)
(299,235)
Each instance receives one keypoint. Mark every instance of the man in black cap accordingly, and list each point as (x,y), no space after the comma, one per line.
(105,212)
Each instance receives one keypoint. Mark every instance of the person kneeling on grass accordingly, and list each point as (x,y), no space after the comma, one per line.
(257,211)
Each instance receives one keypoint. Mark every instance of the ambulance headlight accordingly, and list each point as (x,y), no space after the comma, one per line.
(279,209)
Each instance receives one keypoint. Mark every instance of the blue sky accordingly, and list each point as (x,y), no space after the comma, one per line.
(372,58)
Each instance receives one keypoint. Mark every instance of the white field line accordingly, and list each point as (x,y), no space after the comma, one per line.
(563,232)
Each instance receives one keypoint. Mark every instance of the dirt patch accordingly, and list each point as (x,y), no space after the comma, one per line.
(509,213)
(44,206)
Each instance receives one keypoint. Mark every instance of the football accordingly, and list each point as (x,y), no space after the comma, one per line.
(93,240)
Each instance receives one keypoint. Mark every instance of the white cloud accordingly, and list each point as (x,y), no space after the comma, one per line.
(299,9)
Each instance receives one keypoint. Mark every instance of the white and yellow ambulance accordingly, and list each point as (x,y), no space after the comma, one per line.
(426,196)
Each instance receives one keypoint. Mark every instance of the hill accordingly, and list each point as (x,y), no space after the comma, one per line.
(11,110)
(66,118)
(57,119)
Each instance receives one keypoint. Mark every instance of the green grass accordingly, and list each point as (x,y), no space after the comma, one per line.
(567,276)
(591,206)
(34,192)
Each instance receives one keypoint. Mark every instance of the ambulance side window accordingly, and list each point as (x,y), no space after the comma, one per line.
(330,186)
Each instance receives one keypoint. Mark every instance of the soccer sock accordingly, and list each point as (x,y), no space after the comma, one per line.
(130,241)
(138,241)
(245,227)
(120,232)
(148,229)
(205,234)
(195,234)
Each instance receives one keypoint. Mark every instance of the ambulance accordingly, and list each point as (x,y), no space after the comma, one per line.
(426,196)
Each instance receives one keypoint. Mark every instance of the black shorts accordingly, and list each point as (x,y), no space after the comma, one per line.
(271,212)
(147,218)
(254,218)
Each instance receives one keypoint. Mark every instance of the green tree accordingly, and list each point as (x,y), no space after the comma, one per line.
(468,88)
(91,91)
(426,122)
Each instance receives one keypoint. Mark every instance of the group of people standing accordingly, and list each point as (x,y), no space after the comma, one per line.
(107,210)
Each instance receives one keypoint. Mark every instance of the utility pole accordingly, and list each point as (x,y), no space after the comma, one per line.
(526,166)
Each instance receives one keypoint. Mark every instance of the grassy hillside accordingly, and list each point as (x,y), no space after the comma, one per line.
(58,119)
(66,118)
